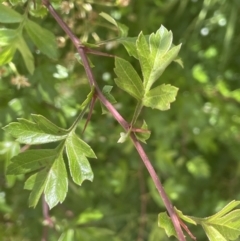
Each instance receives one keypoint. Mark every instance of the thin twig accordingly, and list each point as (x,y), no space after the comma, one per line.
(82,52)
(143,204)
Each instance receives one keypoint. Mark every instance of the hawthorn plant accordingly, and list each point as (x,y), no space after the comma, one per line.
(48,173)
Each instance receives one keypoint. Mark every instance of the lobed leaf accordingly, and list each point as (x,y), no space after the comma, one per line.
(8,15)
(77,150)
(56,183)
(155,54)
(42,38)
(128,79)
(160,97)
(130,45)
(28,132)
(31,160)
(47,126)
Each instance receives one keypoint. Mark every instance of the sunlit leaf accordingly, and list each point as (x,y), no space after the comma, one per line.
(28,132)
(155,54)
(213,234)
(160,97)
(7,36)
(56,184)
(123,137)
(128,79)
(77,150)
(7,54)
(130,45)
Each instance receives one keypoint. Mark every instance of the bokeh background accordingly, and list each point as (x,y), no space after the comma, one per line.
(194,146)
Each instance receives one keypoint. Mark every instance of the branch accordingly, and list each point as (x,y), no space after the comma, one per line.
(82,50)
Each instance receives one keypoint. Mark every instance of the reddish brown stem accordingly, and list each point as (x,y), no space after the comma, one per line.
(82,52)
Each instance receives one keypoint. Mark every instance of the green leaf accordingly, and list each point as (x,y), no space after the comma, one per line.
(47,126)
(42,38)
(88,99)
(106,92)
(225,223)
(7,54)
(56,184)
(128,79)
(143,136)
(130,45)
(7,36)
(123,137)
(155,54)
(213,234)
(31,160)
(82,146)
(229,207)
(36,183)
(160,97)
(77,150)
(123,29)
(28,132)
(26,54)
(8,15)
(165,222)
(184,217)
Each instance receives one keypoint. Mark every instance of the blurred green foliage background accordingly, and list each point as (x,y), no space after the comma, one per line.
(194,146)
